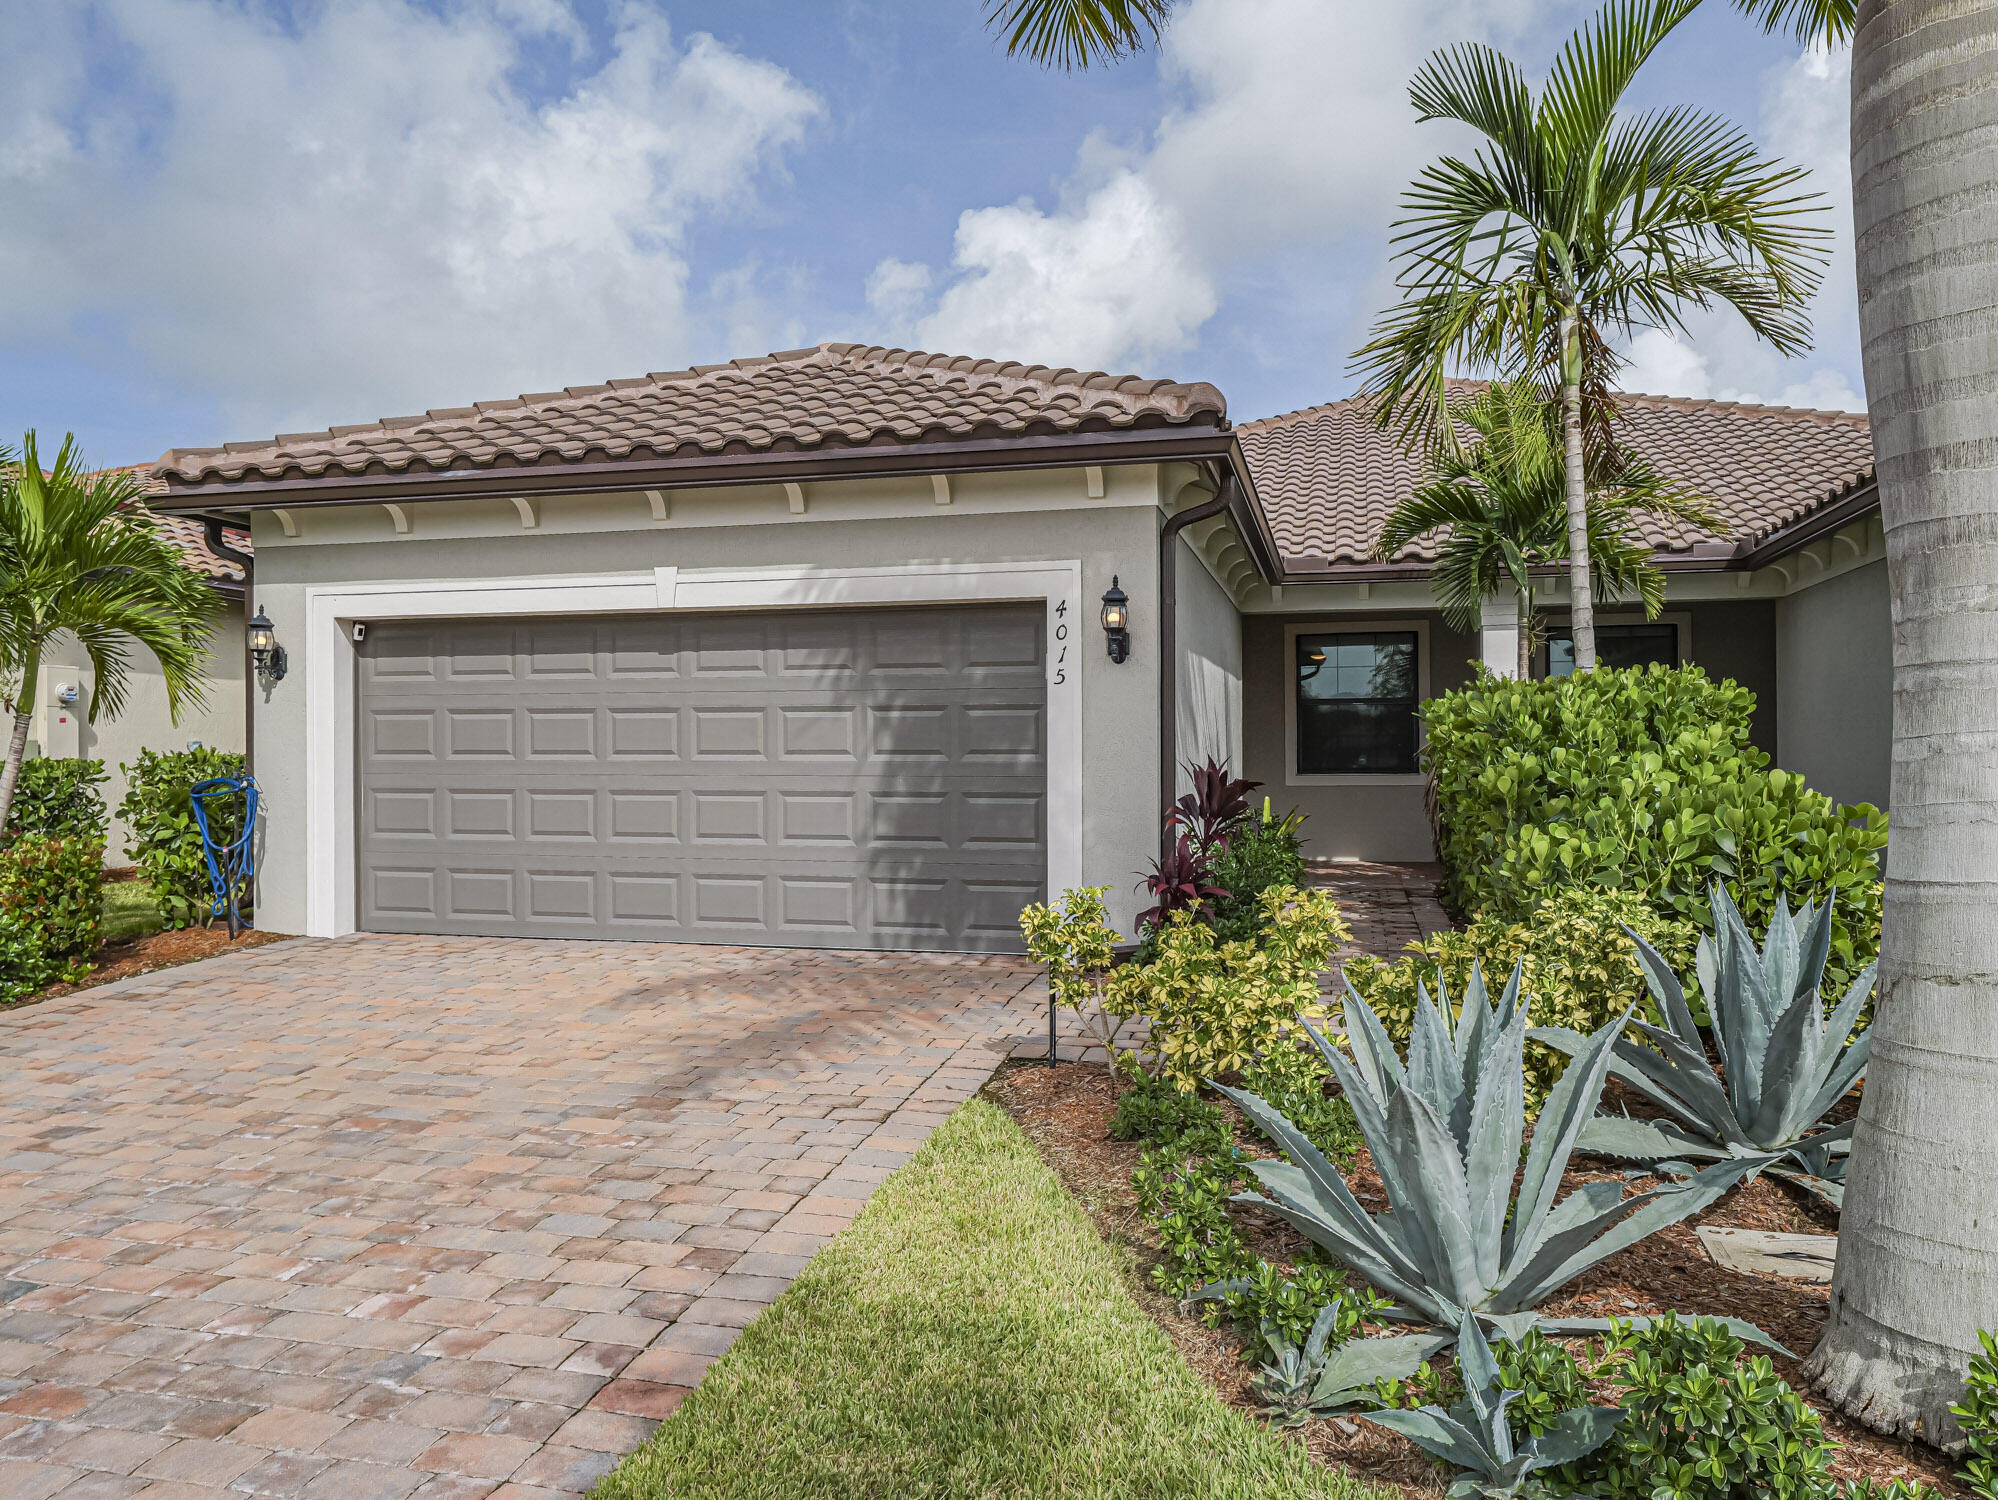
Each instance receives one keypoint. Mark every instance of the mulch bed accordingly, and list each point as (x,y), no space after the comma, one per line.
(1066,1112)
(158,950)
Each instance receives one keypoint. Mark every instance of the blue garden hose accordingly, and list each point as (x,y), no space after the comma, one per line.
(232,867)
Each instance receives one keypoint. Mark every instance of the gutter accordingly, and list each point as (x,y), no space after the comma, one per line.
(983,455)
(1228,499)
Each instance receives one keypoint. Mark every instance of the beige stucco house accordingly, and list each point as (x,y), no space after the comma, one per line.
(809,649)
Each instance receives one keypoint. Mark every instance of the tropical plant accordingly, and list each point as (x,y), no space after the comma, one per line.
(166,842)
(1073,938)
(1784,1065)
(1570,228)
(1215,808)
(1476,1435)
(1445,1132)
(1977,1414)
(58,798)
(51,902)
(1215,1007)
(1076,33)
(1500,503)
(1574,953)
(1180,880)
(80,555)
(1263,850)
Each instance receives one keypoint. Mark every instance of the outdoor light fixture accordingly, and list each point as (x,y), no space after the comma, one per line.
(1117,620)
(265,651)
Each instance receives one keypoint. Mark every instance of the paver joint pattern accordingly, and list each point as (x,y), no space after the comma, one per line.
(439,1217)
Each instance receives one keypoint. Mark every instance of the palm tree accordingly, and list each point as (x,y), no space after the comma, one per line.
(1918,1264)
(79,554)
(1502,502)
(1572,227)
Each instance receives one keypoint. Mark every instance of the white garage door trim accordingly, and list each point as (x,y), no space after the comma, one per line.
(329,663)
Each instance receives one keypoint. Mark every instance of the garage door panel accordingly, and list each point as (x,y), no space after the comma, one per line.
(870,778)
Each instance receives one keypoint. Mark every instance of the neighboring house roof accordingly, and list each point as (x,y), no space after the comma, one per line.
(834,396)
(1327,476)
(187,533)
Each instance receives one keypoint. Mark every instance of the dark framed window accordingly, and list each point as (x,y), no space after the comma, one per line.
(1356,701)
(1616,646)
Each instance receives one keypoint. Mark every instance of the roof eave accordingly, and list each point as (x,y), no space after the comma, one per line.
(1188,440)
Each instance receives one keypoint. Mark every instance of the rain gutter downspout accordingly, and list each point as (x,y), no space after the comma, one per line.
(1169,643)
(211,533)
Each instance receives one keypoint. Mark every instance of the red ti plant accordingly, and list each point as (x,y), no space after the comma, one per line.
(1211,810)
(1177,882)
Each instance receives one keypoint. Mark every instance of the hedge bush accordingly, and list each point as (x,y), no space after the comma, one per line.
(58,799)
(1577,965)
(50,904)
(1263,851)
(165,839)
(1641,779)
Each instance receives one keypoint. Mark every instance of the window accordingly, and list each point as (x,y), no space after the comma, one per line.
(1616,646)
(1356,699)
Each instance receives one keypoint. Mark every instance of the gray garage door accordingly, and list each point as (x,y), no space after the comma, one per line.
(836,778)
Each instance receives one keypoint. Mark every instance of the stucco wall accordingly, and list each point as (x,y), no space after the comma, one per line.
(1120,712)
(1835,673)
(1379,818)
(145,723)
(1209,713)
(1737,639)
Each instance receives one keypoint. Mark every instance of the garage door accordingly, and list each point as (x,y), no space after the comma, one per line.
(837,778)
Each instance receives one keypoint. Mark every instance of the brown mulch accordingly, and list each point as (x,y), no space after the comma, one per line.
(157,950)
(1066,1112)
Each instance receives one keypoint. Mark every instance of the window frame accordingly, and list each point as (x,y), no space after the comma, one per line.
(1680,620)
(1292,776)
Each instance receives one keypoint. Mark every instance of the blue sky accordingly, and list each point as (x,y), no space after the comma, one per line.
(233,217)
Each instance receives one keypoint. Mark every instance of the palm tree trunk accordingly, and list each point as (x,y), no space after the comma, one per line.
(1581,604)
(1525,634)
(1918,1239)
(17,742)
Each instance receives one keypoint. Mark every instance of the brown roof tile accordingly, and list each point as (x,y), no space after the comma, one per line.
(834,395)
(1327,476)
(187,533)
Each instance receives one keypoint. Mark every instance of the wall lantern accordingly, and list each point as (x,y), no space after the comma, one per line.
(1117,620)
(265,650)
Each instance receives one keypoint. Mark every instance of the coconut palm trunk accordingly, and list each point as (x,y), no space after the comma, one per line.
(1525,634)
(1581,600)
(1918,1239)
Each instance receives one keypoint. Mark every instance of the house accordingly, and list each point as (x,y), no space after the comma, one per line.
(60,726)
(861,647)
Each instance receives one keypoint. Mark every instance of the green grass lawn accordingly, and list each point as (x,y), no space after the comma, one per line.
(129,911)
(969,1335)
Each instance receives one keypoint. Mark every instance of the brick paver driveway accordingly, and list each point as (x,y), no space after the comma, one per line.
(446,1217)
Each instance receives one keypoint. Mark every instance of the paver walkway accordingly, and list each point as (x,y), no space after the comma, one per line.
(448,1217)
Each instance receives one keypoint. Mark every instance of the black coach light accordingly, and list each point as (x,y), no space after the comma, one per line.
(265,651)
(1117,620)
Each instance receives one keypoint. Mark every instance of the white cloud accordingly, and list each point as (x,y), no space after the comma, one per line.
(1290,128)
(365,211)
(1803,120)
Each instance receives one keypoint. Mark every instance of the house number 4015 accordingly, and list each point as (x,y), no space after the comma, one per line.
(1061,643)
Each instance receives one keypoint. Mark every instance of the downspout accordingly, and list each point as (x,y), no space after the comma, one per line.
(211,533)
(1169,644)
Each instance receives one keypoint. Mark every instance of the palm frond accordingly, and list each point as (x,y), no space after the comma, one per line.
(1829,21)
(1069,34)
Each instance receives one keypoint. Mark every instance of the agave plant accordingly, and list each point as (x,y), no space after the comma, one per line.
(1307,1380)
(1445,1130)
(1784,1063)
(1475,1435)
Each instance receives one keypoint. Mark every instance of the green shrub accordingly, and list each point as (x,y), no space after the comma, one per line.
(1579,968)
(1160,1112)
(1294,1083)
(166,841)
(1701,1421)
(1641,779)
(50,905)
(58,799)
(1978,1414)
(1216,1007)
(1263,851)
